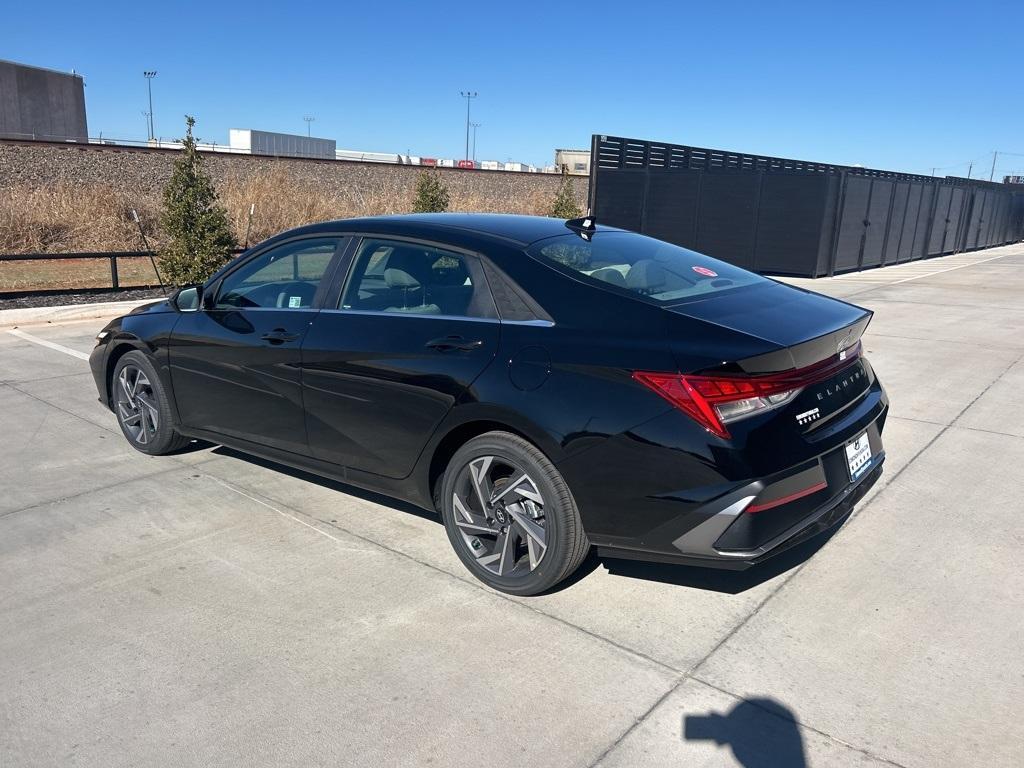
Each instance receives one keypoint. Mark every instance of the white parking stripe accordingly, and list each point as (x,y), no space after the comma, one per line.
(49,344)
(895,274)
(950,269)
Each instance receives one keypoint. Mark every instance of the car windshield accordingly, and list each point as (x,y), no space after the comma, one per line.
(656,270)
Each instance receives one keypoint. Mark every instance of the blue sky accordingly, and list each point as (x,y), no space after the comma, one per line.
(895,85)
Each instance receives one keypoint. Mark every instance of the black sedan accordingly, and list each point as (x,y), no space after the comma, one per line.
(547,386)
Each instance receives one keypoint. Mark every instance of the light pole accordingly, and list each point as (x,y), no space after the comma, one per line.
(474,126)
(149,75)
(147,115)
(468,96)
(309,125)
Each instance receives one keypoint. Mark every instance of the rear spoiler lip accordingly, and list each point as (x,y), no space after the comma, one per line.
(809,352)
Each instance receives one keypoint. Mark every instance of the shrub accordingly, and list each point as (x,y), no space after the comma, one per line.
(564,205)
(198,238)
(431,194)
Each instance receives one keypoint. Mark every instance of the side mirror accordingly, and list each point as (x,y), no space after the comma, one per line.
(188,299)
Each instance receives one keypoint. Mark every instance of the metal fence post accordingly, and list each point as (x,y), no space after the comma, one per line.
(595,143)
(114,282)
(837,223)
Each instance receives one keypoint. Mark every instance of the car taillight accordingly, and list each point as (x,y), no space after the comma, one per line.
(714,401)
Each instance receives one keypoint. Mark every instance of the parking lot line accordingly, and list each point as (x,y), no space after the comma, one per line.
(49,344)
(966,263)
(275,509)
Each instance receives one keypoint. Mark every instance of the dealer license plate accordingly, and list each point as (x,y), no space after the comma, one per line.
(858,456)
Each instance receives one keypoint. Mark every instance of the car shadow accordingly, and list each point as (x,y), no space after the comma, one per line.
(719,580)
(694,577)
(192,446)
(326,482)
(761,732)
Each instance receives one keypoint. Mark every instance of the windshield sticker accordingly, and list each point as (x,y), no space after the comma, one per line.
(294,301)
(705,271)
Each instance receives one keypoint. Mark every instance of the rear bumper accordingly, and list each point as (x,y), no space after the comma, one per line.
(700,546)
(830,517)
(746,523)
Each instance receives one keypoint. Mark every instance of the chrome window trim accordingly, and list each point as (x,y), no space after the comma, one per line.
(262,309)
(417,316)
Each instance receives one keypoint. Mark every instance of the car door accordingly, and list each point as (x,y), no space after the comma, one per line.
(235,363)
(414,327)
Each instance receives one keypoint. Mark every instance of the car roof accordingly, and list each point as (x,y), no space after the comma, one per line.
(522,230)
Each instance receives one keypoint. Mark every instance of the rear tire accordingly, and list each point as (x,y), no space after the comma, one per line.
(510,515)
(142,407)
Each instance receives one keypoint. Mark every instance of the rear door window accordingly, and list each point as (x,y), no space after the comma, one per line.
(408,278)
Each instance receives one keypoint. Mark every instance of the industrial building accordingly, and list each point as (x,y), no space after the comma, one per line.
(42,104)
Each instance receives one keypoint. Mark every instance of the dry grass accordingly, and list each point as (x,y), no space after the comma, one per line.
(536,202)
(283,202)
(65,217)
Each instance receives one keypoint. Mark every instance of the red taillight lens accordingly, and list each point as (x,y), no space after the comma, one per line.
(681,393)
(714,401)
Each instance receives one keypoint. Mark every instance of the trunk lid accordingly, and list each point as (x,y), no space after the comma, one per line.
(771,328)
(793,328)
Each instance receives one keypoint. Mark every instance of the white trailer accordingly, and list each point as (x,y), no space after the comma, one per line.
(281,144)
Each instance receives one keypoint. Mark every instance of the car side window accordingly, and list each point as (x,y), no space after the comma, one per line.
(286,277)
(412,278)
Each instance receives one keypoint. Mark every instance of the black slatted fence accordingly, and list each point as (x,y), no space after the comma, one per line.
(793,217)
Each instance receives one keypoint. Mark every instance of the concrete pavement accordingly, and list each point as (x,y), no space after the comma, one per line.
(210,609)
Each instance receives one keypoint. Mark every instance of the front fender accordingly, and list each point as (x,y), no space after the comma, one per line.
(146,332)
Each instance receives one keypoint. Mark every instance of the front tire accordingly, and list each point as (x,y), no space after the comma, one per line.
(510,515)
(142,408)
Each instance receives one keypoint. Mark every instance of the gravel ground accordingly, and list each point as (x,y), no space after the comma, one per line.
(87,297)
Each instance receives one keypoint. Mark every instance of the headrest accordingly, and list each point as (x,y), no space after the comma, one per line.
(610,275)
(646,275)
(405,268)
(399,278)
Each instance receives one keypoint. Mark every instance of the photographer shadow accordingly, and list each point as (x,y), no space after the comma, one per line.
(762,733)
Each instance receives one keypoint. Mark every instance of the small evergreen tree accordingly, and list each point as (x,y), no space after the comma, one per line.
(431,193)
(565,205)
(195,224)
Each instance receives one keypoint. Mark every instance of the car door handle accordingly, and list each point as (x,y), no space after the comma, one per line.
(279,336)
(447,343)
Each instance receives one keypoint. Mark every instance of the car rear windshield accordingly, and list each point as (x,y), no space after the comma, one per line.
(656,270)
